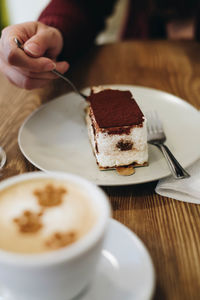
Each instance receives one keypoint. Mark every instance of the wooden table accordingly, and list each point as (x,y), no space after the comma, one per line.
(170,229)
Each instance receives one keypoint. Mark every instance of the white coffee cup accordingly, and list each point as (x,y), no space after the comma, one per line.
(61,274)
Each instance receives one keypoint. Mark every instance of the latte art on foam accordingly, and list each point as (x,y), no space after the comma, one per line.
(41,215)
(29,222)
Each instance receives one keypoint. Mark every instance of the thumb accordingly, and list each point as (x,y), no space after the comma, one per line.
(42,44)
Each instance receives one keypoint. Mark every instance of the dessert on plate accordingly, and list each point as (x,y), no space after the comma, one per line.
(116,129)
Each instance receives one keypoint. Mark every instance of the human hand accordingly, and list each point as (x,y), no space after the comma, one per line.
(31,68)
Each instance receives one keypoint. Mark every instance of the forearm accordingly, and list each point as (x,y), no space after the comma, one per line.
(78,20)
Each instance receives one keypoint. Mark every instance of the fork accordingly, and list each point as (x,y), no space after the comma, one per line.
(157,137)
(2,158)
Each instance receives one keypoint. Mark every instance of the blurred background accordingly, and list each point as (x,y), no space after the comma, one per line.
(173,19)
(22,10)
(18,11)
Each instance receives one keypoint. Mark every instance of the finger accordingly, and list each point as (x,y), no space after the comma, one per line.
(43,37)
(23,81)
(47,41)
(62,67)
(17,57)
(34,75)
(49,37)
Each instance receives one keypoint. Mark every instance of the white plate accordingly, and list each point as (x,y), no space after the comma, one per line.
(125,270)
(54,137)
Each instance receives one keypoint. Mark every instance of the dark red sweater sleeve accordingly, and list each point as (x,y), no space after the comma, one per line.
(78,20)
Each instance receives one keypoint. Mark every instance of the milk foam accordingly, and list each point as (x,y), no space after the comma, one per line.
(76,214)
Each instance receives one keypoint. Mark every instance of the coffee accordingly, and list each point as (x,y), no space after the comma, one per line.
(44,214)
(41,212)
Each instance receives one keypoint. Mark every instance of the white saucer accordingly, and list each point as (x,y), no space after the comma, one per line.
(125,270)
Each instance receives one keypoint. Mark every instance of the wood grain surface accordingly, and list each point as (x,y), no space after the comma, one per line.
(170,229)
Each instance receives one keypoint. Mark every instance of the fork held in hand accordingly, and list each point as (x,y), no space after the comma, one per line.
(156,136)
(19,44)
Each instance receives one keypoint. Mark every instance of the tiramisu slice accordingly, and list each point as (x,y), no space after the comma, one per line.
(116,128)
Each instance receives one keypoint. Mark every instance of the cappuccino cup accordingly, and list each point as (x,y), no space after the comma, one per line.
(52,230)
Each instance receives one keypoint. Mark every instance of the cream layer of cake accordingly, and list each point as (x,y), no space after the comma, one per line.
(116,129)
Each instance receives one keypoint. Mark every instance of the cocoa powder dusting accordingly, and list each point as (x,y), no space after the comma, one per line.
(115,108)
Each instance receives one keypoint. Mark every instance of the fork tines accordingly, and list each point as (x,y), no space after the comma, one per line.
(154,123)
